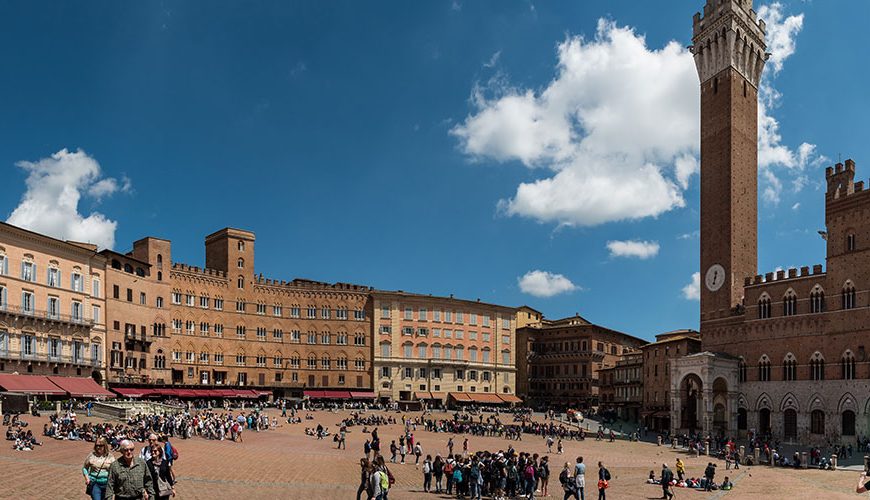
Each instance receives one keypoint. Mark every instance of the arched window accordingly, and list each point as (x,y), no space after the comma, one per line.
(764,307)
(848,423)
(241,246)
(116,264)
(159,261)
(241,282)
(159,275)
(817,367)
(847,365)
(817,300)
(128,268)
(789,367)
(850,242)
(741,371)
(140,272)
(789,304)
(849,296)
(241,263)
(764,369)
(817,422)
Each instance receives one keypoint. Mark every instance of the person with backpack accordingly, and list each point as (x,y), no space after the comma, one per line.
(418,451)
(603,481)
(530,474)
(567,482)
(544,476)
(448,471)
(427,473)
(393,451)
(365,474)
(667,477)
(457,479)
(475,480)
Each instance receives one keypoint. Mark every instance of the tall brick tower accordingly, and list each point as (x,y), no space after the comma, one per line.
(729,49)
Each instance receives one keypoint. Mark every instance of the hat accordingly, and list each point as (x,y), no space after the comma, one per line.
(664,466)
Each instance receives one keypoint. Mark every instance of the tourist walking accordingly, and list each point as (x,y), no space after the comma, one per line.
(544,475)
(567,482)
(667,477)
(681,469)
(603,481)
(427,473)
(450,447)
(364,474)
(96,469)
(418,451)
(161,474)
(129,476)
(580,478)
(438,472)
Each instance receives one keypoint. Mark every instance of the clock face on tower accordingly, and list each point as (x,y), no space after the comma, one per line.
(715,277)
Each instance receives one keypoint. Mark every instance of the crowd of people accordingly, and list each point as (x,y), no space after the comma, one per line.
(22,438)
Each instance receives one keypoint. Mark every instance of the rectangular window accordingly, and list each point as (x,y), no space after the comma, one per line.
(472,319)
(142,299)
(448,334)
(485,337)
(506,323)
(458,334)
(385,372)
(386,329)
(218,330)
(276,311)
(506,358)
(77,311)
(295,336)
(459,317)
(240,306)
(4,265)
(203,302)
(472,335)
(176,297)
(312,312)
(407,330)
(53,307)
(485,320)
(188,300)
(448,352)
(129,295)
(436,315)
(385,350)
(409,314)
(28,271)
(218,358)
(96,314)
(422,332)
(436,332)
(53,277)
(472,355)
(485,354)
(261,334)
(95,288)
(27,302)
(408,348)
(422,314)
(409,373)
(448,316)
(78,284)
(325,312)
(261,309)
(294,311)
(385,312)
(278,334)
(359,314)
(312,337)
(505,339)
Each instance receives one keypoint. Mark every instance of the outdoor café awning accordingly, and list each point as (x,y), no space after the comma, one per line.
(80,387)
(363,395)
(510,398)
(30,384)
(485,398)
(460,397)
(133,392)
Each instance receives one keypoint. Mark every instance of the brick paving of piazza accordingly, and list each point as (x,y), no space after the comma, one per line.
(285,463)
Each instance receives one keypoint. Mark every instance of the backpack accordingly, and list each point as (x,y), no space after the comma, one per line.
(448,468)
(529,472)
(385,482)
(426,468)
(390,479)
(606,475)
(457,475)
(172,452)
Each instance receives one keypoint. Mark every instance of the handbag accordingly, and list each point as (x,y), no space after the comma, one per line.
(89,488)
(603,484)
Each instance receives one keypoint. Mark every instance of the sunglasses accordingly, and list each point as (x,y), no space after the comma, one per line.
(125,450)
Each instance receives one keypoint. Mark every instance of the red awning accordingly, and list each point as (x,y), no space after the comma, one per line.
(244,393)
(510,398)
(363,395)
(80,387)
(30,384)
(460,396)
(313,394)
(185,393)
(133,392)
(262,393)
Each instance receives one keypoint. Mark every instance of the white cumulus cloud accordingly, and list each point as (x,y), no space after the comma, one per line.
(609,129)
(545,284)
(692,291)
(55,185)
(633,248)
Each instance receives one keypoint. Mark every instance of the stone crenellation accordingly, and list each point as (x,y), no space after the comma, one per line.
(729,35)
(783,275)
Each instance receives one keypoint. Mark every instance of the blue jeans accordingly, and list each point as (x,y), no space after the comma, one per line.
(98,492)
(475,489)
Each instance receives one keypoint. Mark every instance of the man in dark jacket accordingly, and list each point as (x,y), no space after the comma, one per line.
(709,473)
(667,477)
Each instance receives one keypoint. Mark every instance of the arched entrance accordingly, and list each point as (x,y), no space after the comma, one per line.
(741,419)
(764,421)
(720,406)
(97,376)
(691,400)
(848,423)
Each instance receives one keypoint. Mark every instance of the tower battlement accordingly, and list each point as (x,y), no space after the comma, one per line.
(729,35)
(841,180)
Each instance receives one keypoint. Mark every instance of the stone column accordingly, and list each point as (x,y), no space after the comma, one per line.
(866,461)
(804,460)
(834,461)
(772,461)
(707,447)
(757,456)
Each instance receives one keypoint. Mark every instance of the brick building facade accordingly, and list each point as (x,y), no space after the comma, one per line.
(657,359)
(783,353)
(621,387)
(560,360)
(428,347)
(52,305)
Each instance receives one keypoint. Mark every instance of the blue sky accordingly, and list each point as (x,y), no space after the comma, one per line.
(436,147)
